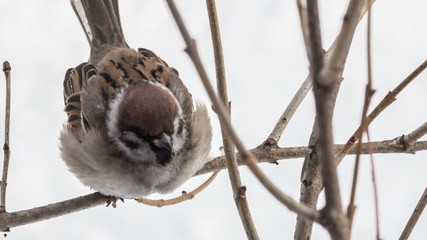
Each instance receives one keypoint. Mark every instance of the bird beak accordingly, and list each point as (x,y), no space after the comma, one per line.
(164,142)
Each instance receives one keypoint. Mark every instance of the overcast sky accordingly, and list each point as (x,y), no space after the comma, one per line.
(265,64)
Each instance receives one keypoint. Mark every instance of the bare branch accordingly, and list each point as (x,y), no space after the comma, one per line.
(338,57)
(6,70)
(224,119)
(305,87)
(19,218)
(273,155)
(414,217)
(324,86)
(387,101)
(310,178)
(10,220)
(280,126)
(185,196)
(302,11)
(369,92)
(239,191)
(375,189)
(415,135)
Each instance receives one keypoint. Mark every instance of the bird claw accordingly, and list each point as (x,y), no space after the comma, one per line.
(113,201)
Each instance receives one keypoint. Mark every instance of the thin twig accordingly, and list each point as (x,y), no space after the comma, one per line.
(338,57)
(184,197)
(371,156)
(415,216)
(239,191)
(409,139)
(191,49)
(6,70)
(290,110)
(369,91)
(375,188)
(305,87)
(302,11)
(387,101)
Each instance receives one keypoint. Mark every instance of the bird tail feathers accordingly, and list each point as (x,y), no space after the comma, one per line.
(100,20)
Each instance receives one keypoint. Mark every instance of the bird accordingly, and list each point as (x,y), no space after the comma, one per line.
(133,128)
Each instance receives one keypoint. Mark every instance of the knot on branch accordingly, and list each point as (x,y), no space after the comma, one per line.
(241,192)
(268,144)
(307,183)
(402,143)
(6,67)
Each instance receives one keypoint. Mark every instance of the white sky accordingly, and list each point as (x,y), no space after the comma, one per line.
(265,63)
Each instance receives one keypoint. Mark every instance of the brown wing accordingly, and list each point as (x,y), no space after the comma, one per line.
(74,82)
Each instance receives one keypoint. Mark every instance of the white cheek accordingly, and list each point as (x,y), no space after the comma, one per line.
(178,140)
(112,117)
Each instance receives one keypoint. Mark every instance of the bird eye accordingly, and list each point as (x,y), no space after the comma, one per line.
(141,133)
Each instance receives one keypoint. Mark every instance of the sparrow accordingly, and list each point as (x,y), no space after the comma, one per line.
(132,126)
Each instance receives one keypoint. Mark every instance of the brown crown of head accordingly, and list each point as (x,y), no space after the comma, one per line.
(149,107)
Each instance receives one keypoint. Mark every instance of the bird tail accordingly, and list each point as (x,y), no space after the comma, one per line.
(100,20)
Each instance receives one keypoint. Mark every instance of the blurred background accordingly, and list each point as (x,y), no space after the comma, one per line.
(265,63)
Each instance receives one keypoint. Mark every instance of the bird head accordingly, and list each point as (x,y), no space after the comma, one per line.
(145,121)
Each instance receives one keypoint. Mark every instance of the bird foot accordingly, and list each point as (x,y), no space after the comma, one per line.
(113,201)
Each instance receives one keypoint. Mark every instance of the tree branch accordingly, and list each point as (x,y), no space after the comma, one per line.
(387,101)
(14,219)
(369,92)
(19,218)
(185,196)
(6,150)
(414,135)
(324,85)
(239,191)
(306,86)
(273,155)
(415,216)
(311,180)
(191,49)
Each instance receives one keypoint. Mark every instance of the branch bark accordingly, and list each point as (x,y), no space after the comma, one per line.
(239,191)
(184,197)
(331,74)
(273,155)
(19,218)
(369,92)
(387,101)
(306,86)
(191,50)
(415,216)
(10,220)
(6,150)
(324,85)
(414,135)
